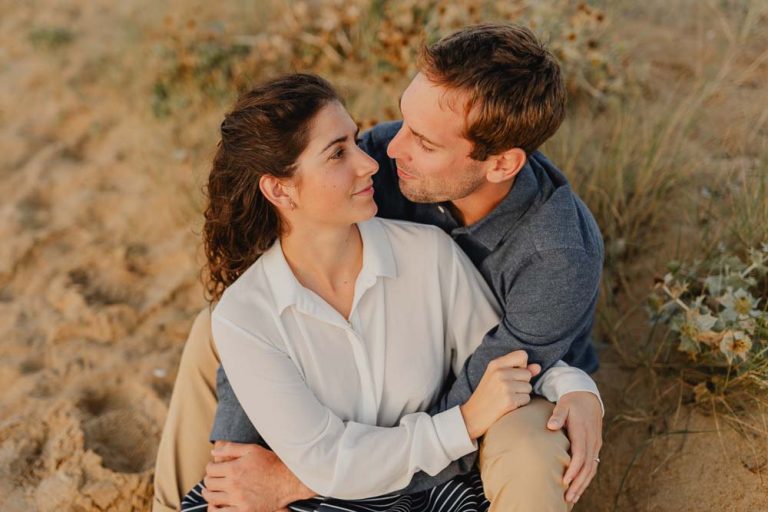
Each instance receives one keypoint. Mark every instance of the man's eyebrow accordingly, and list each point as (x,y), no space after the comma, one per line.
(337,140)
(414,132)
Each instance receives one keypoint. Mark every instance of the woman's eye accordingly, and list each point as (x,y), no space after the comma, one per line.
(338,154)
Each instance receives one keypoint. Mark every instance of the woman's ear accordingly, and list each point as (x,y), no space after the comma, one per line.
(506,165)
(277,192)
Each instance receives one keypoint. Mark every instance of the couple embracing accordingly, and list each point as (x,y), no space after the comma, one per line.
(399,321)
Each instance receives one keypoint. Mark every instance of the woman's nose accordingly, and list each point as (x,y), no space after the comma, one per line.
(369,166)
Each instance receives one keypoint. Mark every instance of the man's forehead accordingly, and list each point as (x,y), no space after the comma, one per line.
(434,107)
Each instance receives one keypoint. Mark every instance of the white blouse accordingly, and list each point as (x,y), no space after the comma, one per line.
(339,401)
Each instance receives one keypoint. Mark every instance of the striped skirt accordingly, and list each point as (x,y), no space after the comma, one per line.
(461,494)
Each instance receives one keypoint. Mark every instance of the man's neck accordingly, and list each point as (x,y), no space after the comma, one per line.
(481,202)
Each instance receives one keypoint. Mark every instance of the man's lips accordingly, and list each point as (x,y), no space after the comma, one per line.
(404,175)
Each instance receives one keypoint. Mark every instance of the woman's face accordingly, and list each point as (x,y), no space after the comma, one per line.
(332,181)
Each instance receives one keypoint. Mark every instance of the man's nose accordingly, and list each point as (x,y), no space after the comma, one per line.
(394,149)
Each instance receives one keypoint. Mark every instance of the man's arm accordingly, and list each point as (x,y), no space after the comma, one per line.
(550,304)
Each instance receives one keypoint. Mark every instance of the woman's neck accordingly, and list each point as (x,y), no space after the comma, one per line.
(326,260)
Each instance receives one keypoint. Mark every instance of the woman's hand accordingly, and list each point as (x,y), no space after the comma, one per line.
(505,386)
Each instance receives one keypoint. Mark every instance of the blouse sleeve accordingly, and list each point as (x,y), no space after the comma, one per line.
(332,457)
(469,307)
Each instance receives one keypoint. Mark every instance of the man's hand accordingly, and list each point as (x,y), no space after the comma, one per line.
(582,416)
(249,478)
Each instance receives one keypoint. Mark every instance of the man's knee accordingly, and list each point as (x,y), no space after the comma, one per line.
(184,449)
(199,349)
(522,462)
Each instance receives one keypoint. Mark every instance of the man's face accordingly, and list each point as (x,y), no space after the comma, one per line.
(433,162)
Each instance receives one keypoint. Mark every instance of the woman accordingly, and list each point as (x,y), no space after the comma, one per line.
(336,328)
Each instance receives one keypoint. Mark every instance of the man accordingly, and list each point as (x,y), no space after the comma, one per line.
(464,158)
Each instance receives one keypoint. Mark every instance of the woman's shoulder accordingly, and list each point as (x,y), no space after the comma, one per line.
(249,296)
(418,247)
(411,232)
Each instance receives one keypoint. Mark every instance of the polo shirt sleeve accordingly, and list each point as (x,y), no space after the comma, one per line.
(546,306)
(330,456)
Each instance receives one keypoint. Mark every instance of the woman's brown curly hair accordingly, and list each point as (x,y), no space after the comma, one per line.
(265,133)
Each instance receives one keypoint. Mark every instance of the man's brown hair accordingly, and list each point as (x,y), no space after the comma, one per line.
(516,92)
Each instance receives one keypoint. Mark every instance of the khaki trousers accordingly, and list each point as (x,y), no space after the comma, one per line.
(521,462)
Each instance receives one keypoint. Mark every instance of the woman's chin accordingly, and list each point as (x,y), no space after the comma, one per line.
(373,209)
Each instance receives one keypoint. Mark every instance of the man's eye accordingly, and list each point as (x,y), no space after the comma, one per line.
(425,147)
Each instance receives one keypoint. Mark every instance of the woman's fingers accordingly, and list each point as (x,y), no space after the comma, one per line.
(534,368)
(515,374)
(516,359)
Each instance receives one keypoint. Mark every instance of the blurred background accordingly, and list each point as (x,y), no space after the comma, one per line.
(109,116)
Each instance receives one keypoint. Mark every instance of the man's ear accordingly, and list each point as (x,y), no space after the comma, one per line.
(277,192)
(506,165)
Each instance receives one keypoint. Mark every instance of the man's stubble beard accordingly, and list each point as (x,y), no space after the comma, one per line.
(437,191)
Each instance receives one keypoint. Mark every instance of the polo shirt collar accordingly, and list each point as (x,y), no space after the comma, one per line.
(490,230)
(378,261)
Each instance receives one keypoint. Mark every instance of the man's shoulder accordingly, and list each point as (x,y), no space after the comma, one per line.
(559,220)
(556,225)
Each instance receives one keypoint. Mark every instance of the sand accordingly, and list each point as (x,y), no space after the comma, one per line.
(99,262)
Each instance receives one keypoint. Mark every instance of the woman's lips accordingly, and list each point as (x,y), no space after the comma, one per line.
(366,191)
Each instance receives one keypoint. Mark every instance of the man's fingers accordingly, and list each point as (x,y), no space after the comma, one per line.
(578,455)
(581,482)
(214,483)
(226,449)
(558,418)
(216,469)
(588,470)
(215,498)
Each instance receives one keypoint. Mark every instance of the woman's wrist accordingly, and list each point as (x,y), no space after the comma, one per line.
(467,413)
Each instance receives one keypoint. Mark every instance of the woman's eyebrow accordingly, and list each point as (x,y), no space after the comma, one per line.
(337,140)
(343,138)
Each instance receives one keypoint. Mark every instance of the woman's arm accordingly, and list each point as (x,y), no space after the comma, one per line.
(332,457)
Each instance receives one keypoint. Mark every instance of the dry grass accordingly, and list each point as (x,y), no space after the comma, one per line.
(665,141)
